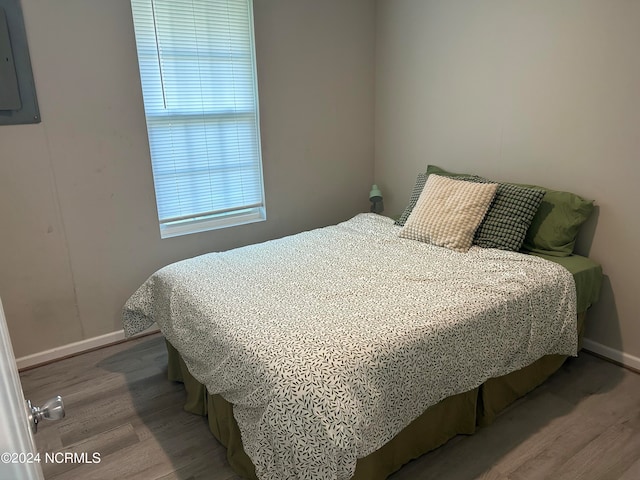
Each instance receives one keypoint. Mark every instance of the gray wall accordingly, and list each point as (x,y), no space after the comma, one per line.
(541,91)
(534,91)
(77,206)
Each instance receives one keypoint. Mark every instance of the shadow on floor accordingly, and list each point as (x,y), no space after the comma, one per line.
(188,450)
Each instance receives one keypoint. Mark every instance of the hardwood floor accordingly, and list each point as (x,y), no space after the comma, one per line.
(584,423)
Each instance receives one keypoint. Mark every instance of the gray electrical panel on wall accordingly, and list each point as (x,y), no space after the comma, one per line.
(18,101)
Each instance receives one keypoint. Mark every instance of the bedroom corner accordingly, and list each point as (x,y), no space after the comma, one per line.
(532,92)
(77,196)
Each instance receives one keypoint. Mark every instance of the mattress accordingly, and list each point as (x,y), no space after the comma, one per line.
(587,276)
(459,414)
(381,319)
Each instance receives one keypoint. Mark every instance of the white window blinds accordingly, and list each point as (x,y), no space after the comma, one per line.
(197,68)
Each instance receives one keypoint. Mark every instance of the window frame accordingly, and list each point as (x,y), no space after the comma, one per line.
(200,221)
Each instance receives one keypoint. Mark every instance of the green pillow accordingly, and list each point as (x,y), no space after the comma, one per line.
(440,171)
(555,225)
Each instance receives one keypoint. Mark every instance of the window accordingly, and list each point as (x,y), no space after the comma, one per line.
(197,68)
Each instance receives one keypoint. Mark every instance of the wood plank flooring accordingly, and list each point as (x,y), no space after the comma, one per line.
(584,423)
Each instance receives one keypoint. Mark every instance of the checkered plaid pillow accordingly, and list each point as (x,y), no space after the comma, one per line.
(415,194)
(509,217)
(448,212)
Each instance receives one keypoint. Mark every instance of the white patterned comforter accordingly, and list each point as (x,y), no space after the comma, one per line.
(329,342)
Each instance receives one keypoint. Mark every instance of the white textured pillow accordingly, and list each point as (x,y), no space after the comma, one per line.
(448,212)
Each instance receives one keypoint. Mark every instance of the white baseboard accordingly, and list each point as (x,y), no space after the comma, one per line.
(75,348)
(612,354)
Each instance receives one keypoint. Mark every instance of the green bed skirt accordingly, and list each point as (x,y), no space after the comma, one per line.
(459,414)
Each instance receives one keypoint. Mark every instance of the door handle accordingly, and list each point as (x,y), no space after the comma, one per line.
(52,409)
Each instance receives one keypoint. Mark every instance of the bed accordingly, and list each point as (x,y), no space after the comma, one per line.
(346,351)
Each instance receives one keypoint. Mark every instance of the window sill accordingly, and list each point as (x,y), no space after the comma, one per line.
(186,227)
